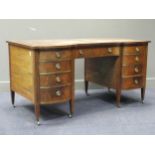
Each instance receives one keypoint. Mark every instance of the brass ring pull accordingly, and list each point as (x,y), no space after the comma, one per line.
(110,50)
(58,66)
(58,55)
(81,52)
(136,81)
(136,69)
(58,93)
(137,58)
(58,79)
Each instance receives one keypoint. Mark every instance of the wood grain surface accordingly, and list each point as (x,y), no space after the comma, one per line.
(43,70)
(46,44)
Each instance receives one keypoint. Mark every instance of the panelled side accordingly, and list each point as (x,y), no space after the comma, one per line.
(21,71)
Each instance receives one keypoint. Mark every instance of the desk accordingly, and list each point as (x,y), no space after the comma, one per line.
(43,70)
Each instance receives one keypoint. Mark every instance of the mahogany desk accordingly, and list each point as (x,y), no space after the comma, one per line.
(43,70)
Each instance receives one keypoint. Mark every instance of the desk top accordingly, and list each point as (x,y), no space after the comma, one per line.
(45,44)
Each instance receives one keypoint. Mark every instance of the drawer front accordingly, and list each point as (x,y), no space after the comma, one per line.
(132,70)
(47,56)
(55,95)
(96,52)
(133,59)
(54,67)
(134,50)
(54,80)
(131,83)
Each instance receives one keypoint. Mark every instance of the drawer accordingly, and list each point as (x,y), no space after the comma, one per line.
(133,59)
(132,70)
(96,52)
(55,79)
(55,95)
(47,56)
(133,82)
(54,67)
(134,50)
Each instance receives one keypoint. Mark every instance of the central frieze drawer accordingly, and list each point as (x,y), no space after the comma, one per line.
(54,67)
(97,52)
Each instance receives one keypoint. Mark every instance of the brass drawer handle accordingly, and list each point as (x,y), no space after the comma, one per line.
(58,79)
(136,81)
(109,50)
(137,58)
(136,69)
(81,52)
(58,93)
(137,49)
(58,66)
(58,55)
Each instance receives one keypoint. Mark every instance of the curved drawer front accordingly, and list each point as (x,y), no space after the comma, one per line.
(55,95)
(55,79)
(131,83)
(54,67)
(133,59)
(132,70)
(56,55)
(134,50)
(96,52)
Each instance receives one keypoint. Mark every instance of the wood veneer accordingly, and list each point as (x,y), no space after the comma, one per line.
(43,70)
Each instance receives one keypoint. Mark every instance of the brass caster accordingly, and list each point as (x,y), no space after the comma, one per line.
(142,101)
(38,123)
(87,94)
(118,106)
(70,115)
